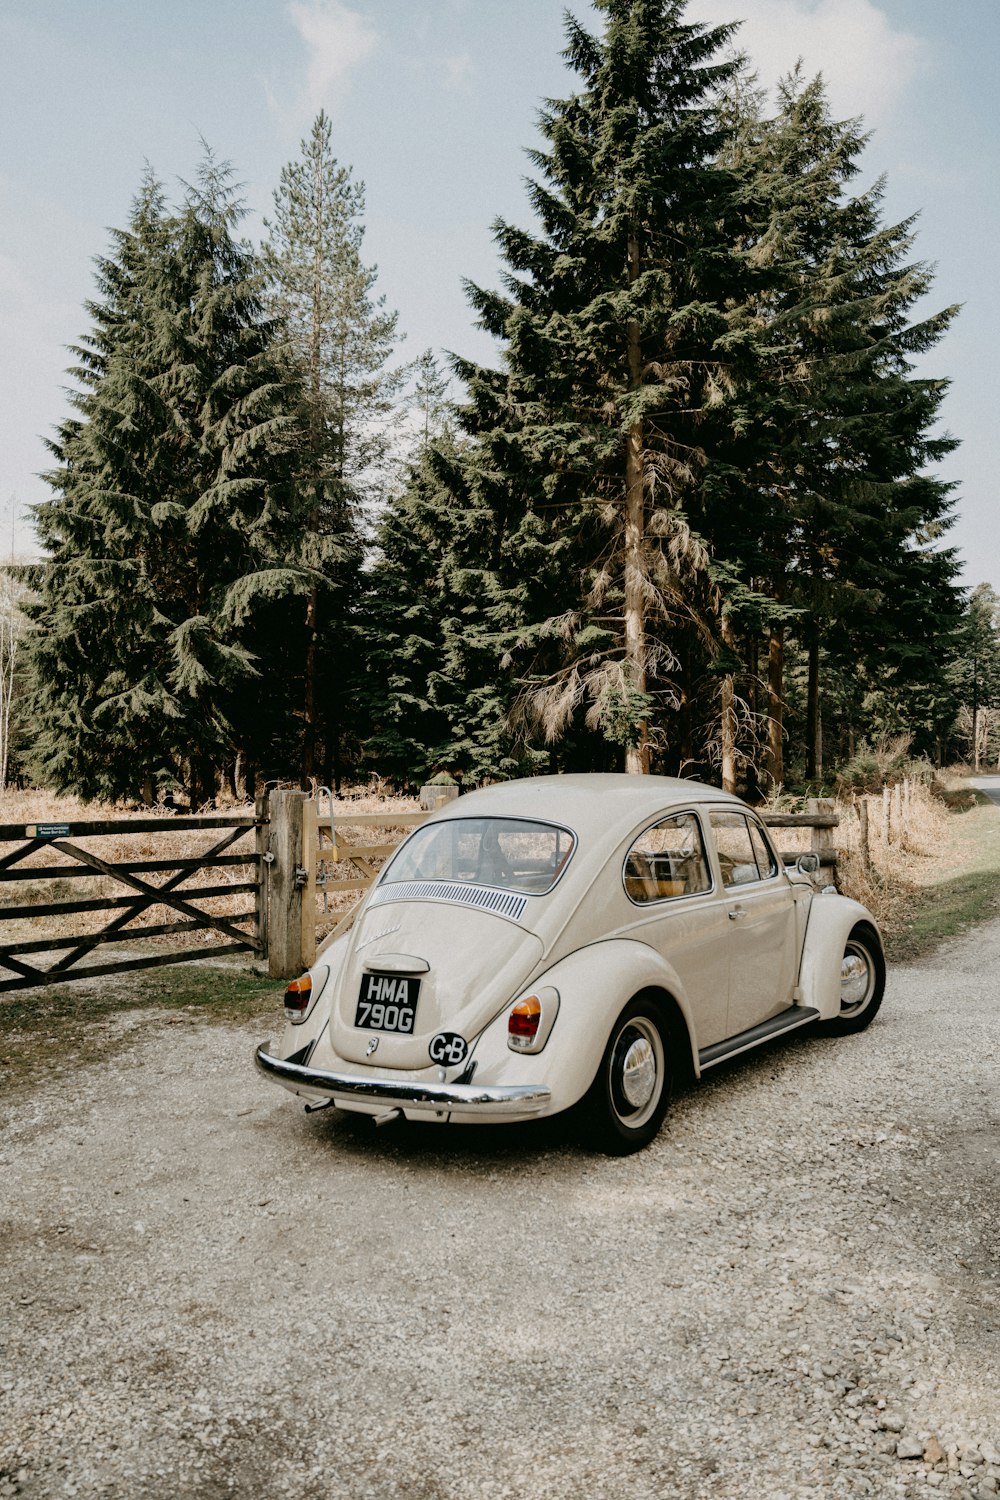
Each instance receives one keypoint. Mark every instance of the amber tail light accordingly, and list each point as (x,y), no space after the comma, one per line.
(523,1022)
(297,997)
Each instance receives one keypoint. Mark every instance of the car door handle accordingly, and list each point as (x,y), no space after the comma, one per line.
(736,913)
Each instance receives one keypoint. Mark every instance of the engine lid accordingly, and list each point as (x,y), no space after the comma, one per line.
(463,965)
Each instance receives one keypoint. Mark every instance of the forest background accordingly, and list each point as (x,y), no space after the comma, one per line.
(689,521)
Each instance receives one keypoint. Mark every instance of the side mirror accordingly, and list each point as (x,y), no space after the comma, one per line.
(807,864)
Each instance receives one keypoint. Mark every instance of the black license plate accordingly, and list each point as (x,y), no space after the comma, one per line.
(388,1002)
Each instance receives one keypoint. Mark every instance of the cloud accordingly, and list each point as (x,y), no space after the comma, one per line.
(868,64)
(458,70)
(337,40)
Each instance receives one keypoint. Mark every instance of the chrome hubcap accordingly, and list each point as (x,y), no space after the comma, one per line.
(639,1073)
(855,978)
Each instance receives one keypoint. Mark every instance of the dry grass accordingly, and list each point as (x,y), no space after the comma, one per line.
(916,882)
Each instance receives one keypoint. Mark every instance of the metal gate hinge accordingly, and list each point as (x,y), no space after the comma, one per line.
(301,876)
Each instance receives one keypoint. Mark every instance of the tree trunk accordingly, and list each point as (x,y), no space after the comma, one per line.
(636,755)
(776,706)
(814,724)
(316,444)
(728,695)
(309,697)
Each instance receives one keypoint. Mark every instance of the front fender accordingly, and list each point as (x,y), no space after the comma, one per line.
(832,919)
(595,984)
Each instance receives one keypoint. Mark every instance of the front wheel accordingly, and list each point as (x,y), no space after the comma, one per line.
(626,1103)
(862,983)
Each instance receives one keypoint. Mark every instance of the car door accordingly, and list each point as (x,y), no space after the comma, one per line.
(760,916)
(669,881)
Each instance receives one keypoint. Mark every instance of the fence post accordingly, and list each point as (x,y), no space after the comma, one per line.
(291,915)
(863,844)
(822,838)
(886,795)
(262,842)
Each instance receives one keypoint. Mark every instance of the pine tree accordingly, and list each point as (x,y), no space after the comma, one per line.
(821,504)
(341,337)
(173,525)
(433,693)
(616,345)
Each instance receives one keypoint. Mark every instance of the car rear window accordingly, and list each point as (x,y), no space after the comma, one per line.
(509,854)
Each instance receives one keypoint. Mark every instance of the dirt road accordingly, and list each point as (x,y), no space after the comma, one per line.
(793,1292)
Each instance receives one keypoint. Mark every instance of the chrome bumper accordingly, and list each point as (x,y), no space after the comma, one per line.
(436,1098)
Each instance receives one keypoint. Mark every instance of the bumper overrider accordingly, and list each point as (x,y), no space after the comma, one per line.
(486,1099)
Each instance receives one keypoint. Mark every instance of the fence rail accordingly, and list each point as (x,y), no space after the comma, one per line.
(19,952)
(297,857)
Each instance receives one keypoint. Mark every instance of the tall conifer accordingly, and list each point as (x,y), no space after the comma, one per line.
(341,336)
(821,502)
(173,523)
(616,344)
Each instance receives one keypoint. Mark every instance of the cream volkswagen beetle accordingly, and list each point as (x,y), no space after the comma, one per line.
(572,941)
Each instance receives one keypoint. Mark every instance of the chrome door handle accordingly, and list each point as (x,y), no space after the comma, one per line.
(736,913)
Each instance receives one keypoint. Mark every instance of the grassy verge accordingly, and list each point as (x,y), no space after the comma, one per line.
(55,1031)
(960,887)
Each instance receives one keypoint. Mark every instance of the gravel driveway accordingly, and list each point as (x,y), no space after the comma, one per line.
(793,1292)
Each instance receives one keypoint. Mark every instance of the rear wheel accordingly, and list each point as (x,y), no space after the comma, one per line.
(628,1099)
(862,983)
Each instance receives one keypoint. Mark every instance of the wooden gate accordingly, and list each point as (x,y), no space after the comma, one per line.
(21,965)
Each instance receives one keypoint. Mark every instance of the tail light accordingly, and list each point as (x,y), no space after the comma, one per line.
(530,1020)
(297,997)
(523,1022)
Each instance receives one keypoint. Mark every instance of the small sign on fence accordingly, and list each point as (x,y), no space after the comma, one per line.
(46,830)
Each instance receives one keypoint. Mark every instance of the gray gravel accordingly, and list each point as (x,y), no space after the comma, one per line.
(792,1293)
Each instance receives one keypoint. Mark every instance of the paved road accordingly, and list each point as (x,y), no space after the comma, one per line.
(988,784)
(792,1293)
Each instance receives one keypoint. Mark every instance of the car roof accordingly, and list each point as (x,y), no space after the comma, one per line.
(585,802)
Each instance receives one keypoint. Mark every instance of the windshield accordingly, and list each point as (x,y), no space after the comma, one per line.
(510,854)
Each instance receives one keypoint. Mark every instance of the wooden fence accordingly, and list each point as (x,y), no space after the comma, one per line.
(297,858)
(343,867)
(23,962)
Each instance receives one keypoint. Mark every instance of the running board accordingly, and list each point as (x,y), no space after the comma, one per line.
(743,1041)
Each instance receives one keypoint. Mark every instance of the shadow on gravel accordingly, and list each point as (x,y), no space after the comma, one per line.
(442,1147)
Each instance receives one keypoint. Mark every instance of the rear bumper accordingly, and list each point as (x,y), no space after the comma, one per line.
(488,1101)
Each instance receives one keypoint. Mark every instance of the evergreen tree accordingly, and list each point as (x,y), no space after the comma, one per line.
(617,343)
(433,693)
(821,504)
(975,676)
(341,337)
(174,523)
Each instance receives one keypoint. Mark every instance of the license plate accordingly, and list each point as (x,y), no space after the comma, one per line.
(388,1002)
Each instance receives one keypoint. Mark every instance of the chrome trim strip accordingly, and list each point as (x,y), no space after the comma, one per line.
(490,1099)
(787,1020)
(486,898)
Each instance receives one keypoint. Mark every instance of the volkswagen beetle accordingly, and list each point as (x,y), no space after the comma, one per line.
(572,941)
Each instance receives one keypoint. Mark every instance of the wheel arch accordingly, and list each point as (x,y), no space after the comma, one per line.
(833,919)
(595,984)
(680,1036)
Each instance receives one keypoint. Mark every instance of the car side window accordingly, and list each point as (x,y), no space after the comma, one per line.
(767,862)
(737,855)
(666,861)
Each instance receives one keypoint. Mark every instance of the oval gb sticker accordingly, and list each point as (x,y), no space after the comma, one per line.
(449,1048)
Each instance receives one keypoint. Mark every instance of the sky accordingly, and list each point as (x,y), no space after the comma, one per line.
(433,103)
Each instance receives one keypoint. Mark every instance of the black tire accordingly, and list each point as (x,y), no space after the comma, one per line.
(862,983)
(625,1105)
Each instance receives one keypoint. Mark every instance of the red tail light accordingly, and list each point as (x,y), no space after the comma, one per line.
(522,1023)
(297,997)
